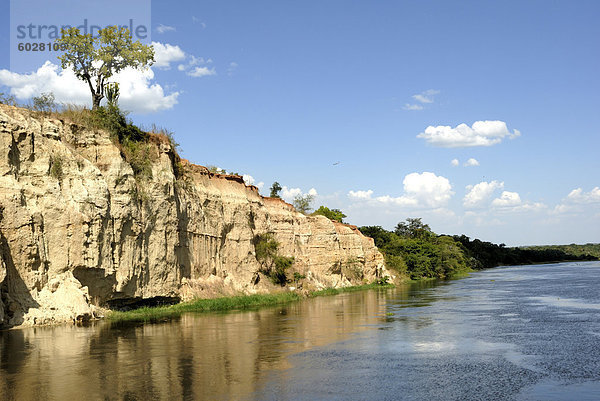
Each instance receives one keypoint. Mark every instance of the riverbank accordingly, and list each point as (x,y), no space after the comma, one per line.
(240,302)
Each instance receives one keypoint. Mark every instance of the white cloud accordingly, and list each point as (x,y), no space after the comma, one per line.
(164,28)
(232,68)
(290,193)
(507,199)
(428,188)
(165,54)
(420,190)
(248,179)
(481,133)
(577,199)
(471,162)
(360,195)
(138,93)
(578,196)
(201,72)
(192,70)
(408,106)
(427,96)
(454,162)
(480,194)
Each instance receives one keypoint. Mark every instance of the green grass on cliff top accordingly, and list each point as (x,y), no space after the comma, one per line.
(241,302)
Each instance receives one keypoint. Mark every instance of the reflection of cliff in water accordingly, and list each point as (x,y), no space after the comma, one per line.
(194,357)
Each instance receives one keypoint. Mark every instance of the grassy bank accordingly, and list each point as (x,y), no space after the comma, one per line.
(336,291)
(240,302)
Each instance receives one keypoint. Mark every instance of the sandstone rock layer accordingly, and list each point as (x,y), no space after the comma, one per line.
(78,231)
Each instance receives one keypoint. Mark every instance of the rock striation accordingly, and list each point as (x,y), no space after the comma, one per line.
(79,232)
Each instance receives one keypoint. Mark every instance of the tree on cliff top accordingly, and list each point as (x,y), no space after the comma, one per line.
(275,189)
(302,203)
(95,59)
(331,214)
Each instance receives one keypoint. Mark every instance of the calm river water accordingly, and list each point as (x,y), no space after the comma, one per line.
(515,333)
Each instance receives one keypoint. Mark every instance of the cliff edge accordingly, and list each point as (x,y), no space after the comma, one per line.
(79,230)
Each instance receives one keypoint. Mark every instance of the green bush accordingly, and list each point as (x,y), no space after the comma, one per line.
(140,156)
(56,167)
(273,265)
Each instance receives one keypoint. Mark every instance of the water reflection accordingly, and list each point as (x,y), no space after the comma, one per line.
(197,356)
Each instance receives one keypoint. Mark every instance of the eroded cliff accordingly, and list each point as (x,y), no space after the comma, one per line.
(77,230)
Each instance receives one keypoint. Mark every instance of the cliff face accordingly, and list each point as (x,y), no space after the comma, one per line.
(77,230)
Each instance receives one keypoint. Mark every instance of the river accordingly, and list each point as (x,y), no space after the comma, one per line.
(510,333)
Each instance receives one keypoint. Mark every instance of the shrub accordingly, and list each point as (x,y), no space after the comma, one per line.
(44,103)
(56,167)
(8,100)
(273,265)
(353,269)
(140,156)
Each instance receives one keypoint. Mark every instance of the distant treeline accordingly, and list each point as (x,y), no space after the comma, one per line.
(587,250)
(488,254)
(415,252)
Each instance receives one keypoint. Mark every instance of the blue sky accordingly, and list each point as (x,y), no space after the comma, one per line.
(283,90)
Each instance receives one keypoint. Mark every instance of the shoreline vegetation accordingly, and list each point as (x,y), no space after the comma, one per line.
(223,304)
(157,314)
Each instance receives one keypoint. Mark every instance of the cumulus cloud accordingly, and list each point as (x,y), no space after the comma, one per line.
(249,180)
(507,199)
(471,163)
(138,93)
(480,194)
(481,133)
(289,194)
(201,72)
(165,54)
(164,28)
(578,196)
(578,199)
(360,195)
(420,190)
(454,162)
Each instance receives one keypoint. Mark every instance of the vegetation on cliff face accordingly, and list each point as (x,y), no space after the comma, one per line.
(273,265)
